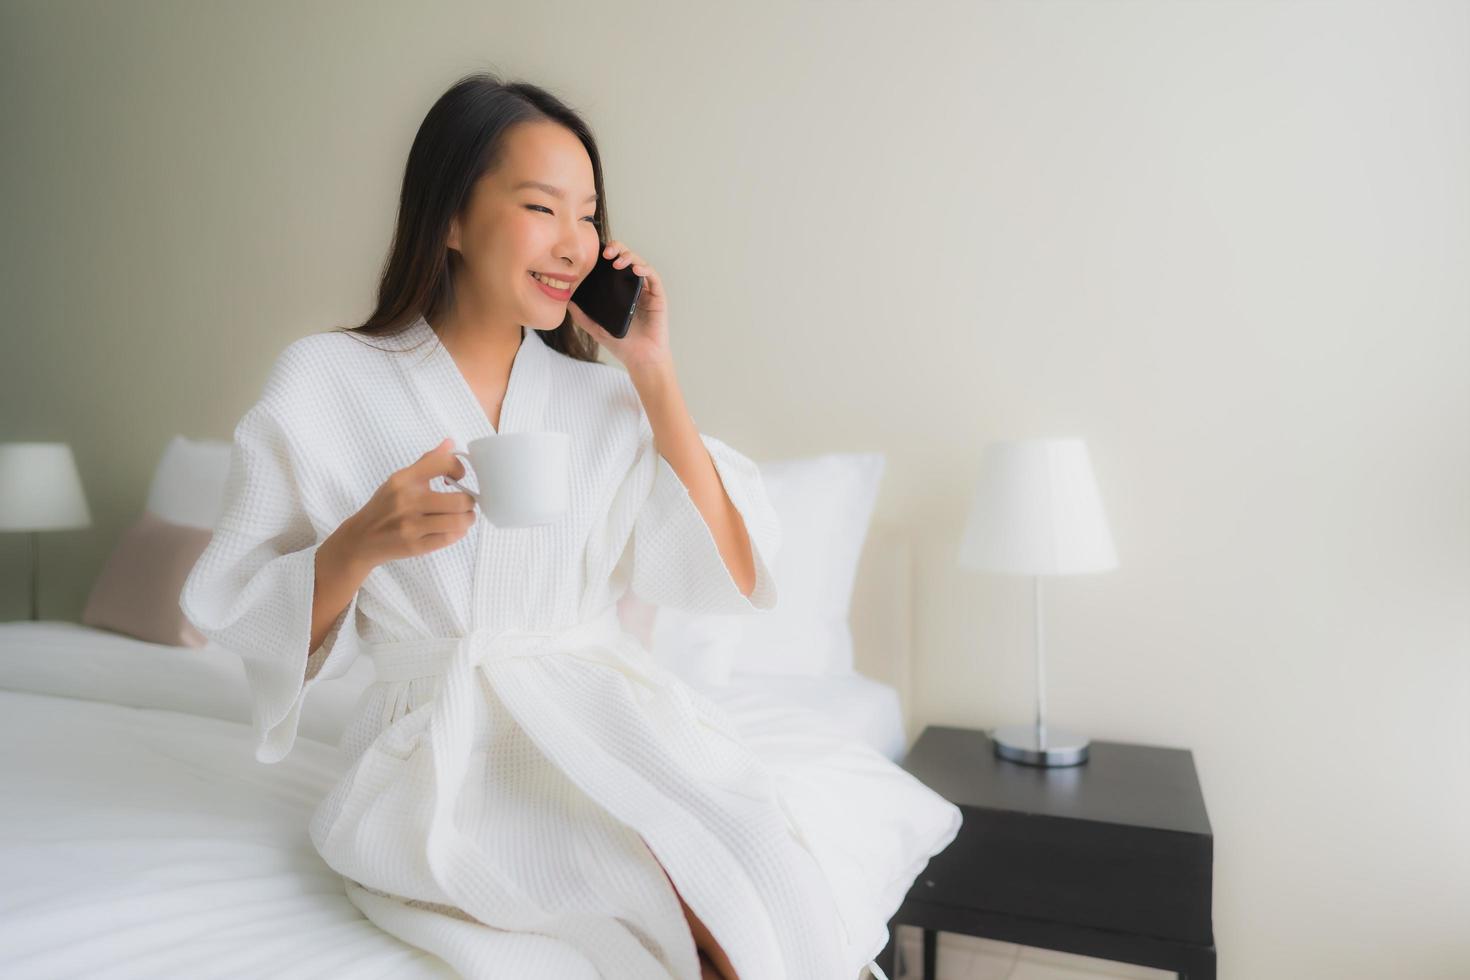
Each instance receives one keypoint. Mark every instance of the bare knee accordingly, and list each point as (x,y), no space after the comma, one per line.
(714,964)
(709,950)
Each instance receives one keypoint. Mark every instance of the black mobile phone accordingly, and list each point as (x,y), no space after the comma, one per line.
(609,295)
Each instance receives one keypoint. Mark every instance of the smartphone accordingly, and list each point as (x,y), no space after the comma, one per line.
(609,295)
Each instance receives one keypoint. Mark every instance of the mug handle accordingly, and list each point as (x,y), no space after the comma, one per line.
(455,484)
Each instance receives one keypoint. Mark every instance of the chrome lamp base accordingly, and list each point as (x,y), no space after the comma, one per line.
(1035,746)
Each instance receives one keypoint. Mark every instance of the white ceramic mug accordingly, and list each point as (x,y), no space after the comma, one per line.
(524,477)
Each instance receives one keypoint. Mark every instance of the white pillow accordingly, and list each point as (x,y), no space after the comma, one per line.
(825,504)
(188,484)
(70,660)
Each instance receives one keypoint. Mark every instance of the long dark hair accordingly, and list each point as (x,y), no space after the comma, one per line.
(462,138)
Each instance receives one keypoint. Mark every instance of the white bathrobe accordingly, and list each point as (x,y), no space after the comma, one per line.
(521,767)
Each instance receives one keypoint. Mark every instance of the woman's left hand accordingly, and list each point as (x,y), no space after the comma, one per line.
(647,341)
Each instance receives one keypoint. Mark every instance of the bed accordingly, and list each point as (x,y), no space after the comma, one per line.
(140,838)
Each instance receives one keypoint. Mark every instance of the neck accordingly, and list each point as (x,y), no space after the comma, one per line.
(484,352)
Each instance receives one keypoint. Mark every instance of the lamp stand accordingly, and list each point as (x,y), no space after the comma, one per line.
(35,575)
(1035,745)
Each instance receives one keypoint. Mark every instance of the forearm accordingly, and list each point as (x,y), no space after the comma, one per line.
(677,440)
(338,577)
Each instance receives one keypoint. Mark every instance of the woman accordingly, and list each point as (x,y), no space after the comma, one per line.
(527,793)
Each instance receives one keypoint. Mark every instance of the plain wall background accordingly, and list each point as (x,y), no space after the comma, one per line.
(1224,242)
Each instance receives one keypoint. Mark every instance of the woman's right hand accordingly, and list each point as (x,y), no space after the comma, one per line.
(405,517)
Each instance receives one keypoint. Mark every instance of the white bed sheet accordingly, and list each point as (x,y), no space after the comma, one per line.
(857,706)
(150,843)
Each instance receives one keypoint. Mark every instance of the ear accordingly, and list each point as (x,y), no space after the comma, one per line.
(453,241)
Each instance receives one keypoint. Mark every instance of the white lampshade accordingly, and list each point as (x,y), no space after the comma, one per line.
(40,488)
(1036,511)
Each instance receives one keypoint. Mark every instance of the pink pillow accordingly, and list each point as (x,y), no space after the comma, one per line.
(137,593)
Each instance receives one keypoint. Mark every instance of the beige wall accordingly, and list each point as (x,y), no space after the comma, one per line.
(1225,243)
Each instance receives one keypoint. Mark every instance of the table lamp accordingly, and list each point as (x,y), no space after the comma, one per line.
(40,490)
(1036,511)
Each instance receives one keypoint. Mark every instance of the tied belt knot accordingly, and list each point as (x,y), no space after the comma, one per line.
(402,660)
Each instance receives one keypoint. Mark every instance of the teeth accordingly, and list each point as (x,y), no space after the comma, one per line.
(553,283)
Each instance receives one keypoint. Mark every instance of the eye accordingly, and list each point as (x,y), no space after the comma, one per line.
(591,217)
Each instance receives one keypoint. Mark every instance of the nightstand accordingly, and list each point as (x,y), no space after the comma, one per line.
(1112,858)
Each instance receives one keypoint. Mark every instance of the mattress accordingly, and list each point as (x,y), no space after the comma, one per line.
(140,838)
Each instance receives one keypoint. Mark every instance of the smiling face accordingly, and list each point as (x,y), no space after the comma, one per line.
(510,228)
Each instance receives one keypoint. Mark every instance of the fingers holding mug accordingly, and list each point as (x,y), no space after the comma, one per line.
(453,481)
(407,517)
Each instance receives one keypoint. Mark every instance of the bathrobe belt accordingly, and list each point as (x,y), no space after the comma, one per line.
(402,660)
(450,733)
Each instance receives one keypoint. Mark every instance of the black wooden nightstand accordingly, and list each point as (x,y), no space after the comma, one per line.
(1112,858)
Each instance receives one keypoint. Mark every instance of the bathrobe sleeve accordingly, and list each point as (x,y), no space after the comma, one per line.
(676,561)
(251,590)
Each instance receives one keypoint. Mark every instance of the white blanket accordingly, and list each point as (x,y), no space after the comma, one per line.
(524,785)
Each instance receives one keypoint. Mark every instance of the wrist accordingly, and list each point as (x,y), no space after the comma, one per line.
(652,376)
(340,551)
